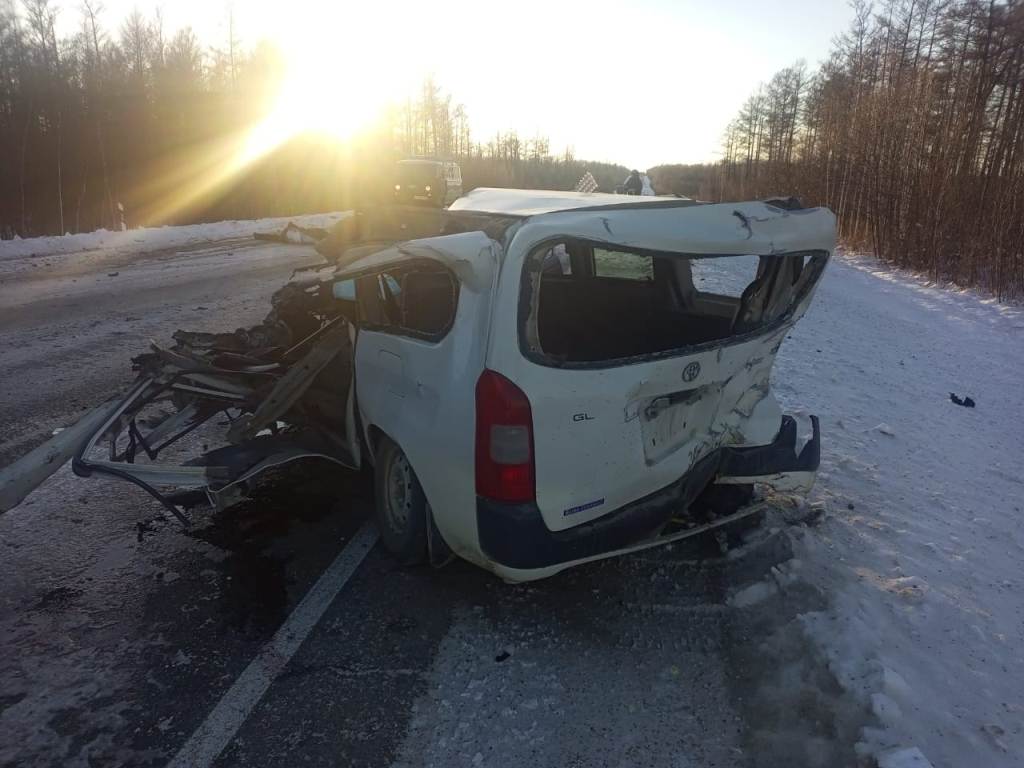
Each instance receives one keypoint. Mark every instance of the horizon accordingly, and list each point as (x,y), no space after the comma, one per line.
(582,108)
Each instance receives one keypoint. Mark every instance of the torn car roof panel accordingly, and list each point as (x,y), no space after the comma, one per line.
(707,230)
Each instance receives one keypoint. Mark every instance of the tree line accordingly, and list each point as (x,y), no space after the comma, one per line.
(912,131)
(434,125)
(139,125)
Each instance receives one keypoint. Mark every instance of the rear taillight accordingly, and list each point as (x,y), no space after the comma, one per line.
(504,440)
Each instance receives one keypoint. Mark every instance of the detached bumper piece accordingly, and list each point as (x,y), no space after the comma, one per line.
(515,535)
(779,458)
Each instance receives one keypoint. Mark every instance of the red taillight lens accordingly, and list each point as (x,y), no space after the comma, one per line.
(504,440)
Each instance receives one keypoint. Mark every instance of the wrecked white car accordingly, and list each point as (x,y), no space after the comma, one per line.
(538,379)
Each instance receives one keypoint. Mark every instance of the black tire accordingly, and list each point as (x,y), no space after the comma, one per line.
(400,505)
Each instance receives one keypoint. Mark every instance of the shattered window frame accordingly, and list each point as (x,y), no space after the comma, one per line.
(373,312)
(803,269)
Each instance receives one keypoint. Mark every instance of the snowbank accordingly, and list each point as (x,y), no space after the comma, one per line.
(153,238)
(922,546)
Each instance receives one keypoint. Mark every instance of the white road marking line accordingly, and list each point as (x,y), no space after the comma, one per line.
(237,704)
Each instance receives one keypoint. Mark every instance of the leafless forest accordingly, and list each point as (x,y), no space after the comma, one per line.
(144,118)
(912,132)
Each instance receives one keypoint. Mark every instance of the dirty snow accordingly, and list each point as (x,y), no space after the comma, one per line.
(922,545)
(153,238)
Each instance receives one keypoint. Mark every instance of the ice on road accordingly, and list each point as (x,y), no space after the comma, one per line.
(135,241)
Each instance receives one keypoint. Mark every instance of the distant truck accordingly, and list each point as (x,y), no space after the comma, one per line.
(427,182)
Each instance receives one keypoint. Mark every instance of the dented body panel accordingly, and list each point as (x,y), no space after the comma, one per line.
(419,392)
(617,431)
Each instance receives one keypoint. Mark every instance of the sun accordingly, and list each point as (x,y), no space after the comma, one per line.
(308,103)
(333,85)
(332,89)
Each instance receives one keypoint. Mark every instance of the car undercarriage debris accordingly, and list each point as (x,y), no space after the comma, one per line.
(263,382)
(281,387)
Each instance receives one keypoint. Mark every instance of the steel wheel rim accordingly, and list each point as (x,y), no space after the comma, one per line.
(398,492)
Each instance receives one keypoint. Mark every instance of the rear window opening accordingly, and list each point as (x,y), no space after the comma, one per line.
(590,303)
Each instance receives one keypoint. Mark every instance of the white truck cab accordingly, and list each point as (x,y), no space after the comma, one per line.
(548,378)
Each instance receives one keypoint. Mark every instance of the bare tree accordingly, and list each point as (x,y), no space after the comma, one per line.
(142,115)
(912,132)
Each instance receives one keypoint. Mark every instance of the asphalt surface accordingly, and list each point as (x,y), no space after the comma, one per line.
(121,631)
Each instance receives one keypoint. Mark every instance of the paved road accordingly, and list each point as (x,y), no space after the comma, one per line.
(121,634)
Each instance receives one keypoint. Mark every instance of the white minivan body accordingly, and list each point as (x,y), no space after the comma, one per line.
(615,445)
(555,378)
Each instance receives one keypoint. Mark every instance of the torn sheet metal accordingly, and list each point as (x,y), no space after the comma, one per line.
(215,410)
(252,381)
(287,390)
(19,479)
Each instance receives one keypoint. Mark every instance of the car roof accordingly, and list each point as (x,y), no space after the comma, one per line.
(669,225)
(533,202)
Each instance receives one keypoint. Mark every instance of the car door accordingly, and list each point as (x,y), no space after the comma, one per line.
(421,342)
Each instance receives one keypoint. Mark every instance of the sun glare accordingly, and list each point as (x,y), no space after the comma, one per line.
(332,88)
(310,103)
(329,89)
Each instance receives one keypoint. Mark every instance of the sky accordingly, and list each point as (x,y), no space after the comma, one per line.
(639,83)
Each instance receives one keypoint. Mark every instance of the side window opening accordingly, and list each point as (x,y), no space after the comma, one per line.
(390,296)
(344,295)
(626,305)
(344,290)
(556,261)
(371,305)
(417,299)
(622,265)
(428,301)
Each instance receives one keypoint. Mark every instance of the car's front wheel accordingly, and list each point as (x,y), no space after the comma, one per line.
(401,506)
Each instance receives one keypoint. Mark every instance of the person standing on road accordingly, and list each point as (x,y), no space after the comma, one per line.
(633,185)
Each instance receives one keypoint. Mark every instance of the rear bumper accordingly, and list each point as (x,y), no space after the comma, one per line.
(515,535)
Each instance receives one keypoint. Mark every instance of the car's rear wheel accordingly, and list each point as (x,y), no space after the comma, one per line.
(401,507)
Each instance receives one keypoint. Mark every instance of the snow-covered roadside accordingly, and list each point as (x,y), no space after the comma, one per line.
(921,549)
(155,238)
